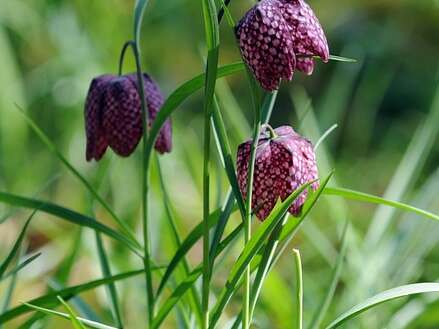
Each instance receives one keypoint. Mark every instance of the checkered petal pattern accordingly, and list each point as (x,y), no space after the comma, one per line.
(282,165)
(276,37)
(113,115)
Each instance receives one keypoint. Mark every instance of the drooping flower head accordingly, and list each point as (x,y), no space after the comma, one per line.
(278,36)
(113,115)
(284,162)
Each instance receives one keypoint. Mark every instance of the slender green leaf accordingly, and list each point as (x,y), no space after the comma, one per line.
(299,289)
(192,277)
(51,146)
(179,95)
(176,296)
(284,231)
(342,59)
(186,245)
(4,265)
(360,196)
(50,299)
(88,323)
(194,299)
(139,11)
(106,270)
(335,277)
(250,251)
(226,155)
(72,316)
(66,214)
(20,266)
(383,297)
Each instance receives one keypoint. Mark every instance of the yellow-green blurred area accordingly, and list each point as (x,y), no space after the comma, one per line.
(386,106)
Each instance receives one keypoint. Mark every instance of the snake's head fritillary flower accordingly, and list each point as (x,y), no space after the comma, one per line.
(284,162)
(276,37)
(113,115)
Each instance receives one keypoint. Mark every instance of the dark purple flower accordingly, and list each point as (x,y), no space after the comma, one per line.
(113,115)
(278,36)
(283,163)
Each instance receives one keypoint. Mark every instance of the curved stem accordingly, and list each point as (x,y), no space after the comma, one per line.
(127,44)
(247,222)
(145,177)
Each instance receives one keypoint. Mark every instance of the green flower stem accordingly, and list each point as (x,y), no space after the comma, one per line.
(247,221)
(299,288)
(145,178)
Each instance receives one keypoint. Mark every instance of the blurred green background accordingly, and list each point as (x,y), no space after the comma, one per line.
(386,106)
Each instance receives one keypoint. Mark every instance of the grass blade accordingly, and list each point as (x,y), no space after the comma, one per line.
(4,265)
(187,243)
(335,277)
(299,287)
(111,287)
(73,318)
(51,146)
(177,294)
(50,299)
(66,214)
(383,297)
(360,196)
(20,266)
(139,11)
(407,172)
(250,250)
(179,95)
(88,323)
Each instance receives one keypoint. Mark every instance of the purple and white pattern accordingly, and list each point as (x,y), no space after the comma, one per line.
(113,115)
(283,164)
(278,36)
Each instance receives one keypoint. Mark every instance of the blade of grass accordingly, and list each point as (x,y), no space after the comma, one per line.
(51,146)
(195,302)
(179,95)
(88,323)
(360,196)
(72,316)
(50,299)
(192,277)
(407,172)
(383,297)
(250,250)
(16,247)
(139,11)
(186,245)
(286,231)
(211,30)
(111,287)
(66,214)
(20,266)
(299,288)
(335,277)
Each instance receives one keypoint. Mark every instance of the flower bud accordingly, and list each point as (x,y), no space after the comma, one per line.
(278,36)
(283,163)
(113,115)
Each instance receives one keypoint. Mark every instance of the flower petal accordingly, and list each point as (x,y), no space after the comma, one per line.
(155,100)
(122,119)
(96,141)
(309,38)
(266,44)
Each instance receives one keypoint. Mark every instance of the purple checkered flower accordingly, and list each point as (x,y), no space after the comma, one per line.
(277,37)
(284,162)
(113,115)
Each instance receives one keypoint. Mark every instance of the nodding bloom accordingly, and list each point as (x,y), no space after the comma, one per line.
(113,115)
(277,37)
(284,162)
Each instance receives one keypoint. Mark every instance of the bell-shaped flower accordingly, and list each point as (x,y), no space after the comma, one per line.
(276,37)
(113,115)
(284,162)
